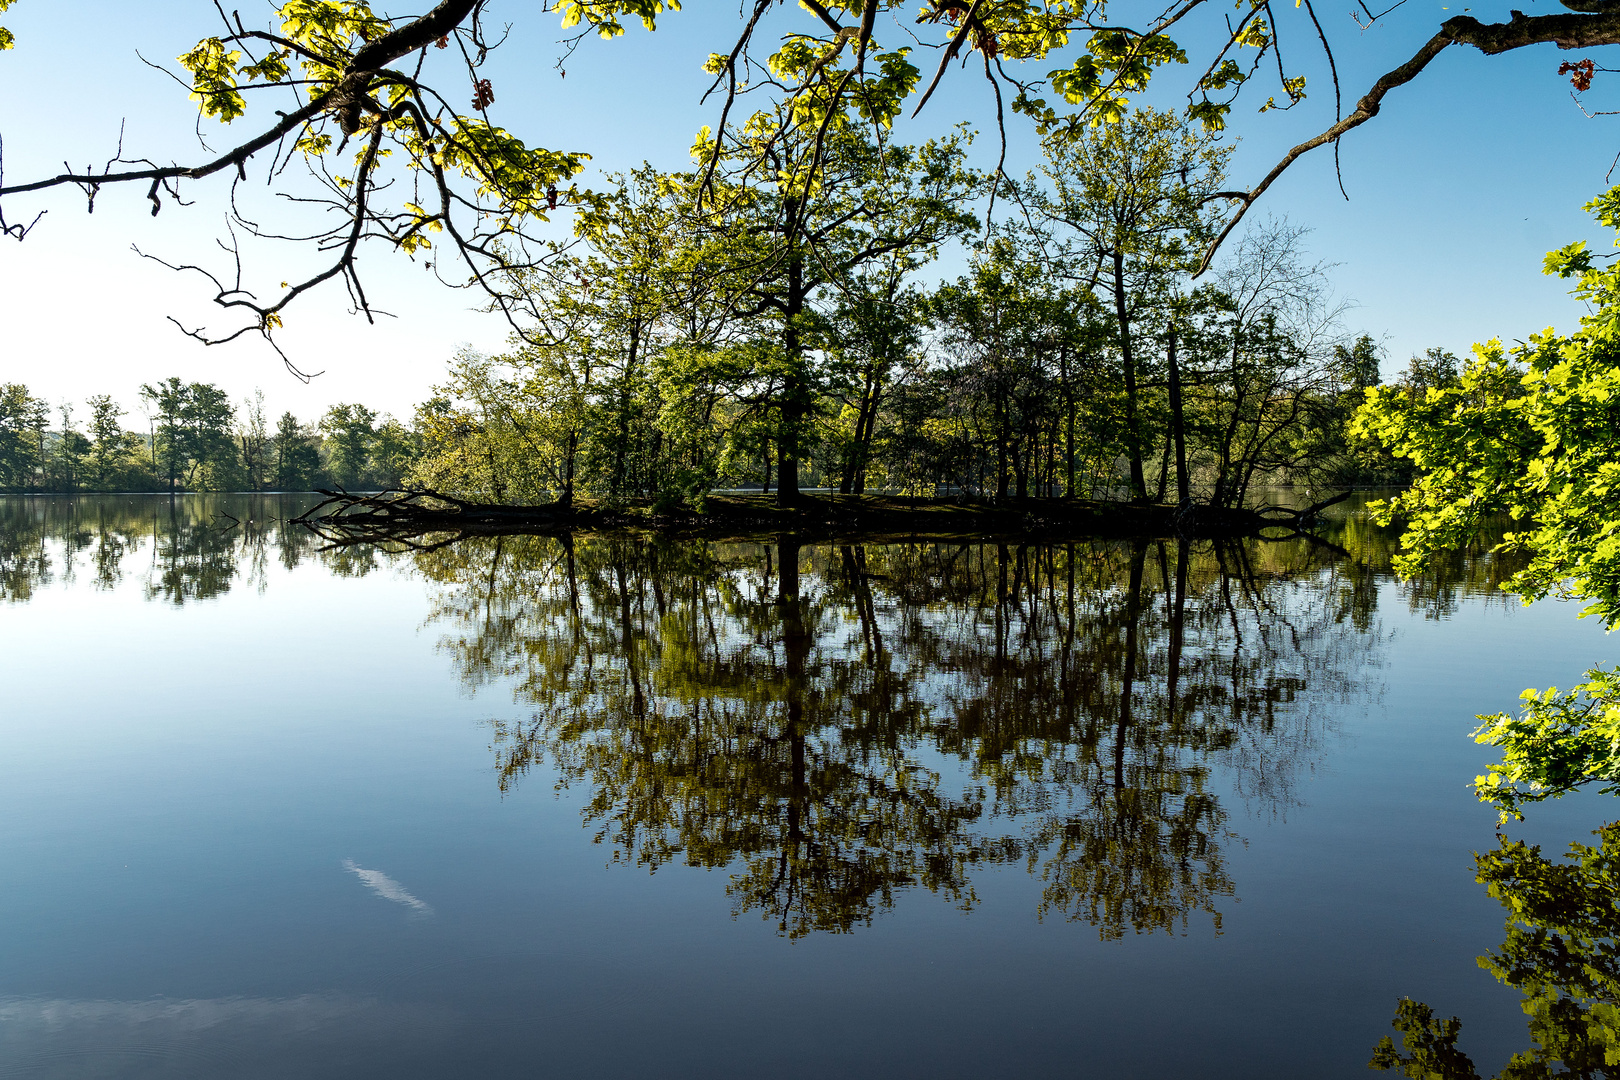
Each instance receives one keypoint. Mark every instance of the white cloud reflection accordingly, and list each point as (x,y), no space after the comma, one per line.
(386,887)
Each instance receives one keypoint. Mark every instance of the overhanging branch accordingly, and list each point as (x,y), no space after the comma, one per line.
(1570,30)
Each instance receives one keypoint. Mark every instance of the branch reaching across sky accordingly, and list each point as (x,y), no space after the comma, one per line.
(401,153)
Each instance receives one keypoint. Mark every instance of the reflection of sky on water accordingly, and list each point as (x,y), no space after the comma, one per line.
(386,887)
(239,1037)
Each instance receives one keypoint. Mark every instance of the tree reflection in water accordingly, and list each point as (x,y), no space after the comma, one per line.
(1561,951)
(179,550)
(836,724)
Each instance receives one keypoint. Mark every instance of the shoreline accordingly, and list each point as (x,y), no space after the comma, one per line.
(352,518)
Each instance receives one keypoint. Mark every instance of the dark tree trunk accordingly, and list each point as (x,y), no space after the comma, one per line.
(795,390)
(1133,431)
(1178,427)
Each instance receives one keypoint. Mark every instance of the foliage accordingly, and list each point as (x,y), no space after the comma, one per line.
(22,435)
(1557,743)
(372,104)
(1529,431)
(1532,432)
(349,434)
(198,441)
(753,335)
(294,455)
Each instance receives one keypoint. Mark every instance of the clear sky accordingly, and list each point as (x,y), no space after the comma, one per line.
(1470,174)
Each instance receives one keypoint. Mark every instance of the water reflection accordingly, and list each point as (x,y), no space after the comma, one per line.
(180,550)
(839,724)
(836,726)
(1561,951)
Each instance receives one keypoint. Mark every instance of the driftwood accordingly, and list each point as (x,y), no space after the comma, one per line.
(429,519)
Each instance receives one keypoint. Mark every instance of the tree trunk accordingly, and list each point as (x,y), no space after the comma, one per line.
(795,390)
(566,498)
(1133,432)
(1178,429)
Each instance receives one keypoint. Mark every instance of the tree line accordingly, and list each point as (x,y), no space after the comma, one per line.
(196,439)
(766,322)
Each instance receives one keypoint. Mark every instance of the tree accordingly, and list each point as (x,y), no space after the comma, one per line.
(1530,432)
(1436,369)
(192,436)
(393,452)
(615,310)
(22,436)
(479,434)
(167,400)
(339,71)
(113,451)
(1358,365)
(72,450)
(1131,202)
(807,198)
(1006,329)
(349,434)
(253,441)
(295,459)
(1264,366)
(875,337)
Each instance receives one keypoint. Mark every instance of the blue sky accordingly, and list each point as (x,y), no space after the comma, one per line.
(1471,173)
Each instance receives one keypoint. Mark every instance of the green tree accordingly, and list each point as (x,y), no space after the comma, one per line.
(113,460)
(393,453)
(320,72)
(806,200)
(207,418)
(168,400)
(192,435)
(875,337)
(253,442)
(1131,206)
(478,435)
(1007,330)
(1261,356)
(294,455)
(350,431)
(1359,365)
(22,437)
(72,452)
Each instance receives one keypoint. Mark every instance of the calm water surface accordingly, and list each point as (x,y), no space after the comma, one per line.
(613,808)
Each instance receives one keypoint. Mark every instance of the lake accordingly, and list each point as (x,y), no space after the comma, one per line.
(623,807)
